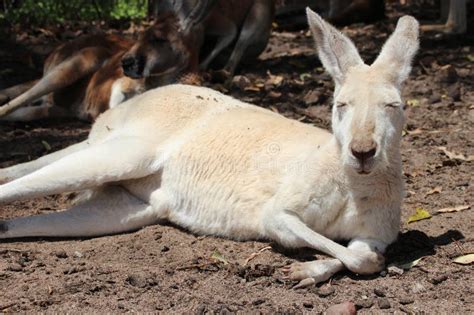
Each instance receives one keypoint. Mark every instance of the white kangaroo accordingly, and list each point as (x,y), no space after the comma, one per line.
(218,166)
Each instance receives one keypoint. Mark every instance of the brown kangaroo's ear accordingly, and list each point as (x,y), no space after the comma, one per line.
(397,53)
(335,50)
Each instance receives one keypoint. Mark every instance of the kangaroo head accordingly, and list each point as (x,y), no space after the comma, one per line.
(159,49)
(367,115)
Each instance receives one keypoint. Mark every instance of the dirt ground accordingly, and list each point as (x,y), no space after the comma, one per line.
(165,269)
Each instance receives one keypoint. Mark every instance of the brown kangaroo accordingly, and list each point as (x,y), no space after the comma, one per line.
(88,75)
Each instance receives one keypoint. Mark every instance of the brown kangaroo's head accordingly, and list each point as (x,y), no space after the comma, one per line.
(160,49)
(171,44)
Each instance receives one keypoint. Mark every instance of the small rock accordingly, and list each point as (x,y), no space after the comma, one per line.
(165,249)
(379,292)
(308,304)
(406,300)
(384,304)
(346,308)
(364,303)
(15,267)
(325,291)
(60,254)
(438,279)
(78,254)
(394,270)
(136,281)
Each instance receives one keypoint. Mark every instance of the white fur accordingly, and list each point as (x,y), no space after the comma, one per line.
(215,165)
(117,96)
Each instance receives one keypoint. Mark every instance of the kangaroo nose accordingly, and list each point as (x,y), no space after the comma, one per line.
(364,151)
(127,62)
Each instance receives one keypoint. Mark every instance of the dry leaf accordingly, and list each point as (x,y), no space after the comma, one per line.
(216,255)
(464,260)
(435,190)
(413,102)
(46,145)
(421,214)
(305,75)
(417,131)
(454,209)
(276,80)
(407,265)
(454,156)
(252,88)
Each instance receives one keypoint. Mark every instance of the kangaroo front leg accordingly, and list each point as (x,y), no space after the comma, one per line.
(109,211)
(312,272)
(287,229)
(114,160)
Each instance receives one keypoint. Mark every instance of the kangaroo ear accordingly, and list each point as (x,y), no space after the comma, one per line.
(335,50)
(399,50)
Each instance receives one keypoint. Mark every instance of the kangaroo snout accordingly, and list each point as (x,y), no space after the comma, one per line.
(363,150)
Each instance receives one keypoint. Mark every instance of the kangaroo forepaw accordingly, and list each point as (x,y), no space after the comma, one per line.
(367,263)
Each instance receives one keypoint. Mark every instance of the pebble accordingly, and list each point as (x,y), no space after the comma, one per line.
(78,254)
(346,308)
(308,305)
(438,279)
(384,304)
(136,281)
(165,249)
(379,292)
(394,270)
(366,303)
(325,291)
(406,300)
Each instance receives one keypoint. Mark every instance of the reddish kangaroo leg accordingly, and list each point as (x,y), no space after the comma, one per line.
(254,35)
(85,62)
(12,92)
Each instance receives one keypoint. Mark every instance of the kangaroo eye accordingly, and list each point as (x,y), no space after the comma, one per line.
(160,40)
(341,105)
(393,105)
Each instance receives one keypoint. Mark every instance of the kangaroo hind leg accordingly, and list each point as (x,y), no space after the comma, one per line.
(115,160)
(83,63)
(20,170)
(110,210)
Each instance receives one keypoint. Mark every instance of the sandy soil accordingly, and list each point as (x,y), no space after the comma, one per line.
(164,268)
